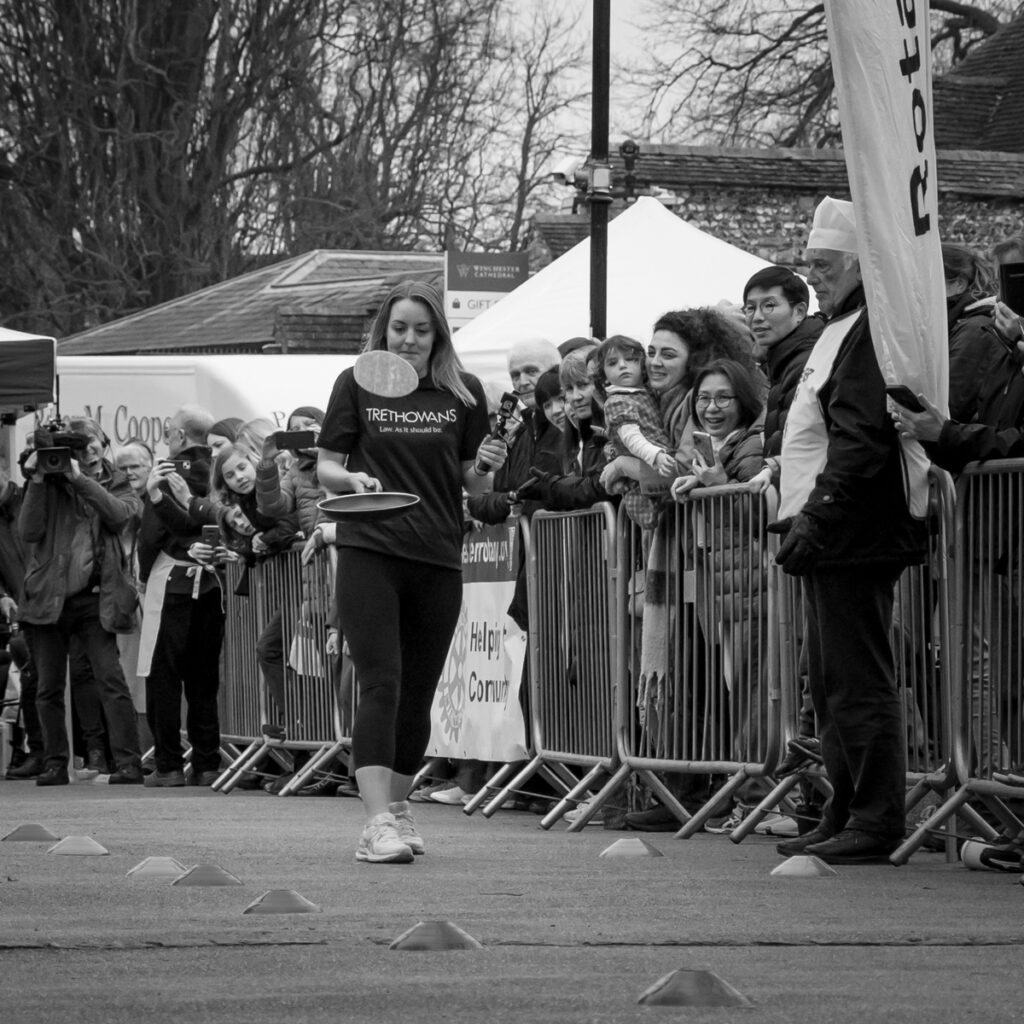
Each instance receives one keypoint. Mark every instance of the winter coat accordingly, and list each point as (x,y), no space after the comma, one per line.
(12,550)
(977,352)
(859,496)
(783,364)
(49,516)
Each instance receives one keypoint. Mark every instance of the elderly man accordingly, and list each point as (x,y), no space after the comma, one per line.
(527,360)
(848,532)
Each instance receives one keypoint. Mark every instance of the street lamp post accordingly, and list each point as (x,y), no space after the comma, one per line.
(599,192)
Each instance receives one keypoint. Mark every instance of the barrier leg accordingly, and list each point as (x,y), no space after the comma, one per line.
(509,788)
(598,800)
(775,798)
(955,803)
(250,757)
(664,794)
(322,756)
(696,822)
(493,783)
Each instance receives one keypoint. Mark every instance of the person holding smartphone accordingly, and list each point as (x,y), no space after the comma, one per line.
(399,582)
(183,619)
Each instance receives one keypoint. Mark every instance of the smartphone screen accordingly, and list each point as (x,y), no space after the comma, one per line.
(703,446)
(294,439)
(1011,286)
(902,395)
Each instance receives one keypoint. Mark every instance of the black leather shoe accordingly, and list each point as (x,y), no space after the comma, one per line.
(164,779)
(657,819)
(130,776)
(207,778)
(53,777)
(798,844)
(851,846)
(30,768)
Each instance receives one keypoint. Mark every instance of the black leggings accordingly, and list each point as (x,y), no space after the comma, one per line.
(398,618)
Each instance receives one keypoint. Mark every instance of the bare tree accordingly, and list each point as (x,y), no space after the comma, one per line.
(152,147)
(757,72)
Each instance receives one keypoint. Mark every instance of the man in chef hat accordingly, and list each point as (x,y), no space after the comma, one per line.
(848,533)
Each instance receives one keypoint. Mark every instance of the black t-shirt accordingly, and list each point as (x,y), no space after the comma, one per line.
(415,444)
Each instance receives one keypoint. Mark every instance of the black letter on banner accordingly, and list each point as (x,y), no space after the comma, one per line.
(911,62)
(918,189)
(920,115)
(907,12)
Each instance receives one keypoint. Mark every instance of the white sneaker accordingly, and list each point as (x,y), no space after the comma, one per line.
(578,812)
(777,825)
(452,795)
(734,821)
(405,826)
(379,843)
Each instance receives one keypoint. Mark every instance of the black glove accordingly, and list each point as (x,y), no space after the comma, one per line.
(537,487)
(804,542)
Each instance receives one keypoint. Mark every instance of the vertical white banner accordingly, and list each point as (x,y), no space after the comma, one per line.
(881,59)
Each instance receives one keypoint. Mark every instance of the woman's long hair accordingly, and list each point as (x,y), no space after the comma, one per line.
(708,335)
(445,367)
(973,267)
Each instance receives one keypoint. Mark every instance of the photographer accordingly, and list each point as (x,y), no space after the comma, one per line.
(183,619)
(76,505)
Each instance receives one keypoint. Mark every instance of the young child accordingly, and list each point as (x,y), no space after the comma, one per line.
(247,527)
(632,420)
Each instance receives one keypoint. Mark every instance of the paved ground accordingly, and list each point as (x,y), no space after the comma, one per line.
(568,936)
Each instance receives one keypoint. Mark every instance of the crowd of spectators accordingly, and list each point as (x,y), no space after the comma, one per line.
(111,565)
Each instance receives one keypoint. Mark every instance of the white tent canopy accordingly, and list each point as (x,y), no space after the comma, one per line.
(656,262)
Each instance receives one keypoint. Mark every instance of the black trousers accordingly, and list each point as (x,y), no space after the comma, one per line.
(852,681)
(186,660)
(398,617)
(80,618)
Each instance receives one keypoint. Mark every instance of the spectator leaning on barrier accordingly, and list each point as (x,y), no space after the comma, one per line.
(77,585)
(848,532)
(775,302)
(183,619)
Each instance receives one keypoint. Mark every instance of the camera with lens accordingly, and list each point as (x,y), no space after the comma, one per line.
(53,460)
(507,423)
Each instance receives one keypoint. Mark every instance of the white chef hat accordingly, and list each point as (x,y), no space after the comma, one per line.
(834,226)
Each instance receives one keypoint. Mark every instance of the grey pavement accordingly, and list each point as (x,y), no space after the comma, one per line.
(568,936)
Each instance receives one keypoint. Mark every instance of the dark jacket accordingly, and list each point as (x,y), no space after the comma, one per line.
(298,490)
(537,444)
(998,432)
(977,352)
(49,516)
(859,496)
(579,484)
(783,364)
(168,527)
(742,455)
(12,550)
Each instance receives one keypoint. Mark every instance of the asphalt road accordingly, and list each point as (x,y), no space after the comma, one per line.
(568,936)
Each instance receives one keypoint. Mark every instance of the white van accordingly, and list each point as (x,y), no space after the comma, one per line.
(134,396)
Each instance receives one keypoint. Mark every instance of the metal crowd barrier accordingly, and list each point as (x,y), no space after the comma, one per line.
(572,560)
(700,694)
(317,715)
(986,688)
(922,653)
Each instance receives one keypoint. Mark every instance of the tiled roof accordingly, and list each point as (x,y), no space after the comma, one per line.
(248,312)
(980,104)
(814,171)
